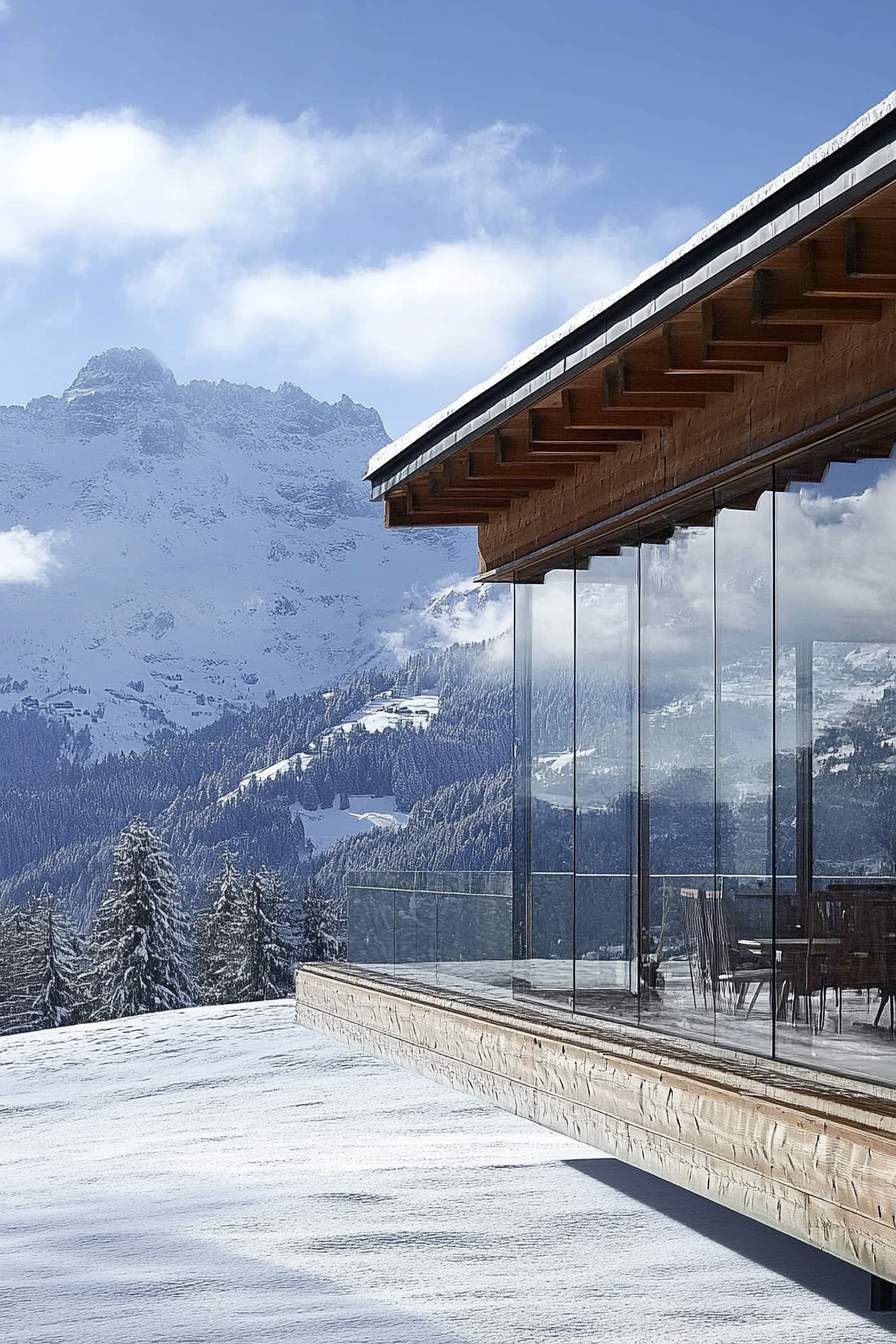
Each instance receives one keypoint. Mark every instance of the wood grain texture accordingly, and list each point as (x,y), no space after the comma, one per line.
(795,1149)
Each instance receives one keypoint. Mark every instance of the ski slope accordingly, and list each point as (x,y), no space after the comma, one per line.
(221,1176)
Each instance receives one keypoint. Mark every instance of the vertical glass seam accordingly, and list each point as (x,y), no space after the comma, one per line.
(773,856)
(575,773)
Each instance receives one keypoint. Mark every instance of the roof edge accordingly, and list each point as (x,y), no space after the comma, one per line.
(584,327)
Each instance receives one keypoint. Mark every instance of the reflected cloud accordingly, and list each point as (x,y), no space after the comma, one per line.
(28,557)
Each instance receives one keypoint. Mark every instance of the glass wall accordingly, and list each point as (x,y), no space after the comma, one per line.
(835,601)
(706,777)
(606,784)
(545,772)
(677,758)
(705,788)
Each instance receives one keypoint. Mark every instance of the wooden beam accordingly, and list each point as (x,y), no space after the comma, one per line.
(446,519)
(518,460)
(396,515)
(759,354)
(684,352)
(730,324)
(584,409)
(441,486)
(480,494)
(776,296)
(823,273)
(530,475)
(571,451)
(426,504)
(634,381)
(870,248)
(548,426)
(614,395)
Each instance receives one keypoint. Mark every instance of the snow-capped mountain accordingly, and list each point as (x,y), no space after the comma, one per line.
(213,544)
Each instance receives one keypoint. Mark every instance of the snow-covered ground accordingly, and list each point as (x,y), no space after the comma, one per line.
(364,813)
(221,1176)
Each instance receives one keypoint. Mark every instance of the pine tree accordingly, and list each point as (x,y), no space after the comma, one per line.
(218,934)
(53,958)
(323,936)
(139,952)
(265,967)
(14,1015)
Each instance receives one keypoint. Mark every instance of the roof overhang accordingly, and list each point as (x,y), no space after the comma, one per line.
(820,190)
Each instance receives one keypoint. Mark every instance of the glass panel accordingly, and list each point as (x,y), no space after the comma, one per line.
(606,786)
(744,747)
(544,970)
(836,787)
(370,915)
(415,934)
(475,937)
(680,928)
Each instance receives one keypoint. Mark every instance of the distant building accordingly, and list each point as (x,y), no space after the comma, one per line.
(691,489)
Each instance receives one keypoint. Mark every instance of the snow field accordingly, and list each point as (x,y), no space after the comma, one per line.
(222,1176)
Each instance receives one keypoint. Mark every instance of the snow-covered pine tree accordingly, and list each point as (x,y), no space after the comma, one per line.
(14,1015)
(139,953)
(266,963)
(323,937)
(218,934)
(52,964)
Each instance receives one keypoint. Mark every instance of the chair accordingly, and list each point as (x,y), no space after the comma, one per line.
(709,948)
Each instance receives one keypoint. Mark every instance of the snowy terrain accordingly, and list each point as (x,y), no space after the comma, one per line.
(364,813)
(211,544)
(220,1176)
(383,711)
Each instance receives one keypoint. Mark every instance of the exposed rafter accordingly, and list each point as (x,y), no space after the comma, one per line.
(720,346)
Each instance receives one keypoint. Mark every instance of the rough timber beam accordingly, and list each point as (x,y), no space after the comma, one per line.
(614,394)
(633,380)
(870,248)
(823,273)
(441,485)
(396,515)
(776,295)
(522,454)
(685,352)
(420,503)
(727,323)
(583,408)
(548,429)
(533,475)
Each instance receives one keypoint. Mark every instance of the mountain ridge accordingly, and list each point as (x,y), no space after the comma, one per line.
(212,546)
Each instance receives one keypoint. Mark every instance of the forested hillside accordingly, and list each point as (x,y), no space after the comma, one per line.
(61,814)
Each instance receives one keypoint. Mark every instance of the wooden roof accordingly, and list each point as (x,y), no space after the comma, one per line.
(777,279)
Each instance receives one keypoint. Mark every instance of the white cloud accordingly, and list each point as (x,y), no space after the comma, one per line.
(5,10)
(456,611)
(117,180)
(28,557)
(215,234)
(465,305)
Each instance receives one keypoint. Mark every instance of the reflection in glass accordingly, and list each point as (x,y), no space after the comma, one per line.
(705,788)
(679,938)
(606,785)
(836,784)
(546,778)
(744,747)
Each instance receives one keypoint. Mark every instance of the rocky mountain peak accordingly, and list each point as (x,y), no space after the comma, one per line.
(133,372)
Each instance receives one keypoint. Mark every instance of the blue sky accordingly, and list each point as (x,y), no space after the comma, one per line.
(381,198)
